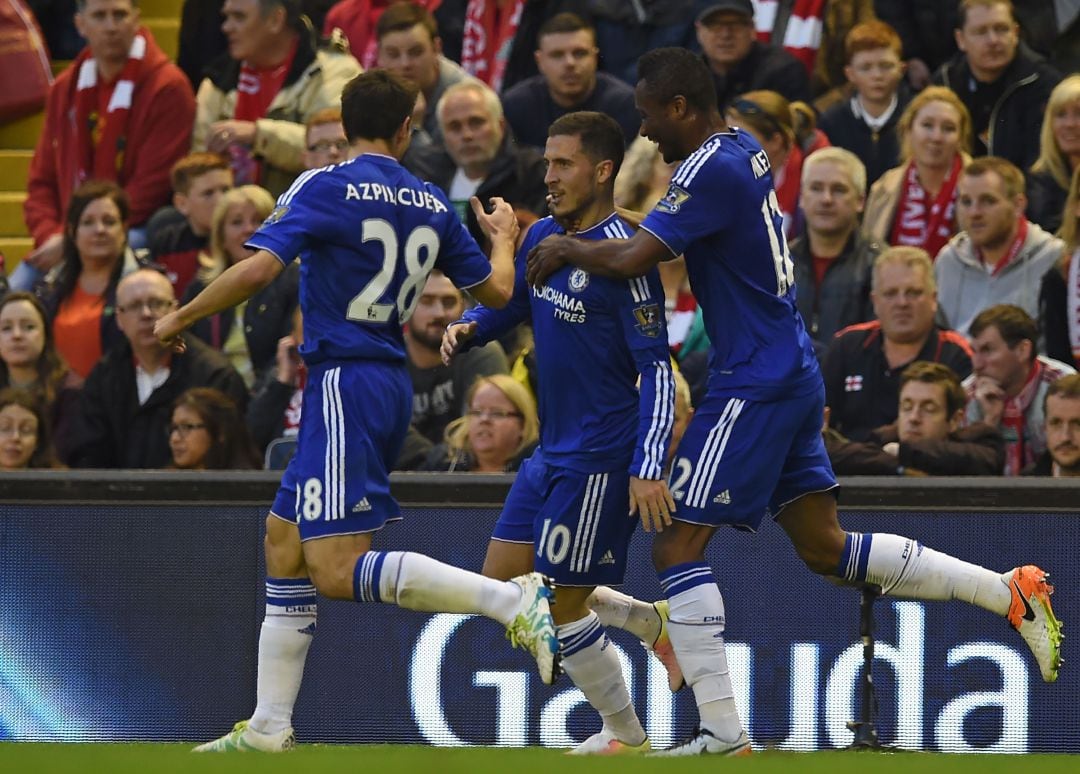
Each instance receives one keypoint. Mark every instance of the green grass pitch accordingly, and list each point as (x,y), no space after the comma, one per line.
(23,758)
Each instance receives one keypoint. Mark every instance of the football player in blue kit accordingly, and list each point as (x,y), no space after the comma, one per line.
(754,446)
(367,233)
(603,442)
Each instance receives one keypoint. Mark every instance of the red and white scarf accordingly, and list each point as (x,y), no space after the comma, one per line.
(489,36)
(1018,453)
(102,110)
(802,35)
(1072,302)
(1012,252)
(255,92)
(921,222)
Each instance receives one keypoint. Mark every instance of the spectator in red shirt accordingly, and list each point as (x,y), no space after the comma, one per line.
(122,111)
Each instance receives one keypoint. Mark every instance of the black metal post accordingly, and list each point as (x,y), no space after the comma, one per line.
(866,736)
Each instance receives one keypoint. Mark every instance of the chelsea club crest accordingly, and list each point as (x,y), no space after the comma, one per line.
(579,280)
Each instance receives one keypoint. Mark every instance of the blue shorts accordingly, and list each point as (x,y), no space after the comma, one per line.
(740,460)
(353,420)
(578,522)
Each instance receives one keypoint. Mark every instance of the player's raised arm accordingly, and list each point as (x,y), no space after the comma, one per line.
(501,227)
(622,258)
(237,283)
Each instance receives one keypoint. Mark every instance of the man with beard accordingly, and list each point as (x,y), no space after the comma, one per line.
(439,390)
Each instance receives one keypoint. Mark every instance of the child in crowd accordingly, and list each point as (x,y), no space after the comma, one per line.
(198,182)
(866,124)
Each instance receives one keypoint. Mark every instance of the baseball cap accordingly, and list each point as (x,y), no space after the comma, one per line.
(744,7)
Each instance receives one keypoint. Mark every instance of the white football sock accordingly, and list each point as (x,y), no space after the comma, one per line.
(621,611)
(286,635)
(696,629)
(595,669)
(418,582)
(905,568)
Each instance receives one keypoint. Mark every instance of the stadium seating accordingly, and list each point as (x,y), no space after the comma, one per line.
(17,139)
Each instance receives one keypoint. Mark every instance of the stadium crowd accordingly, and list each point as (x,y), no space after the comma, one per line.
(926,158)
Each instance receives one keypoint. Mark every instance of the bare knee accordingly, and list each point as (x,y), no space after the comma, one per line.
(331,563)
(821,550)
(570,604)
(333,576)
(284,554)
(815,532)
(678,544)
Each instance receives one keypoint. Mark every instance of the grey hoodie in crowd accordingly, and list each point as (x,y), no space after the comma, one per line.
(965,287)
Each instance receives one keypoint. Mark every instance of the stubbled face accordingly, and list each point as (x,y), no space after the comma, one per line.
(189,439)
(99,235)
(326,145)
(725,38)
(984,210)
(240,222)
(470,133)
(495,424)
(18,437)
(570,178)
(935,135)
(1063,432)
(202,197)
(568,62)
(22,334)
(989,38)
(829,199)
(875,73)
(412,54)
(440,303)
(109,27)
(924,413)
(992,357)
(904,302)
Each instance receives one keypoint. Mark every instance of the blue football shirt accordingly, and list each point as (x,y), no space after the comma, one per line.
(594,336)
(721,212)
(368,233)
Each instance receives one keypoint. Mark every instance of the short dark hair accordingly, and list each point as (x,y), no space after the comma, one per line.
(600,135)
(1012,322)
(294,11)
(375,103)
(966,5)
(563,22)
(405,16)
(672,72)
(936,373)
(1063,387)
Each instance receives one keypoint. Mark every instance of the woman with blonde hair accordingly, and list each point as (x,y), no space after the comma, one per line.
(500,428)
(1059,294)
(1059,156)
(786,132)
(248,334)
(914,204)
